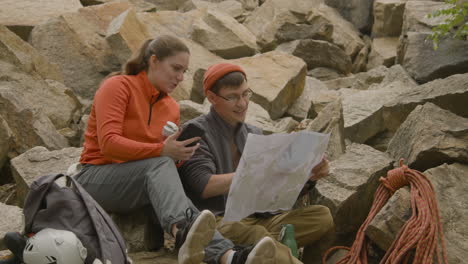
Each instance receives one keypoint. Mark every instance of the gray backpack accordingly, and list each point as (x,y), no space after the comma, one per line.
(71,208)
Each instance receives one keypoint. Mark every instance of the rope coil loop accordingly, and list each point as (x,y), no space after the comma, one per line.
(421,237)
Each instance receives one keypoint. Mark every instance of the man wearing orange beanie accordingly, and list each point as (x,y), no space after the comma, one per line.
(207,176)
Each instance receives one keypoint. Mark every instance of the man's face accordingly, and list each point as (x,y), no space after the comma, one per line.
(231,103)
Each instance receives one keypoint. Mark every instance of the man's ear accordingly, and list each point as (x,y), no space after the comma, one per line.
(211,97)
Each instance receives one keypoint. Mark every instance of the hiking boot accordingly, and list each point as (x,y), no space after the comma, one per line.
(16,243)
(264,252)
(193,235)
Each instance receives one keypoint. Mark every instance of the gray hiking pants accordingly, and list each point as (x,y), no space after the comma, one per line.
(124,187)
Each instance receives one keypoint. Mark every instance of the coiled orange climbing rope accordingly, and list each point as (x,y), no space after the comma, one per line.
(420,237)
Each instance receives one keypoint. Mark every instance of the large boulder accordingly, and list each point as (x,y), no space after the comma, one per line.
(48,96)
(231,7)
(383,52)
(75,42)
(373,79)
(349,189)
(417,54)
(125,35)
(224,36)
(429,137)
(331,121)
(141,230)
(320,29)
(450,184)
(6,141)
(266,20)
(321,94)
(276,78)
(25,115)
(388,18)
(11,221)
(344,34)
(151,257)
(20,53)
(450,93)
(358,12)
(39,161)
(318,53)
(363,110)
(22,16)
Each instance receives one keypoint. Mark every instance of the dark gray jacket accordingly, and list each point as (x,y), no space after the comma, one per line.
(212,157)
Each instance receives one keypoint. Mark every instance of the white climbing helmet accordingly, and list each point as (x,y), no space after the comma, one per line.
(51,246)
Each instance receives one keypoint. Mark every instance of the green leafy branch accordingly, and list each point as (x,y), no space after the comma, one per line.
(455,24)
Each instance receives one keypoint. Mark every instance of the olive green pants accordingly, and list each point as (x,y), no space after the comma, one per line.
(310,224)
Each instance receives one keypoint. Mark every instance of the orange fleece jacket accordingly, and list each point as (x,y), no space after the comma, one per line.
(126,121)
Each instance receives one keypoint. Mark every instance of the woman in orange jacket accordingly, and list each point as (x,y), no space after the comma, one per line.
(128,164)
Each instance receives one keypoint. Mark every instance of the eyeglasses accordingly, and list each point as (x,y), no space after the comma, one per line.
(235,98)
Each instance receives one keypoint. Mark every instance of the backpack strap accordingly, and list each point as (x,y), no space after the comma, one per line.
(38,190)
(94,208)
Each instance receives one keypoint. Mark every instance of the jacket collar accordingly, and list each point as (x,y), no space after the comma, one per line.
(151,90)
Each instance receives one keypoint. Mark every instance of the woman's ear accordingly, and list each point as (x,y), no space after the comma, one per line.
(153,60)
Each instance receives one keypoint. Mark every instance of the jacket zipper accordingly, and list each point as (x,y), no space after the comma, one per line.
(161,95)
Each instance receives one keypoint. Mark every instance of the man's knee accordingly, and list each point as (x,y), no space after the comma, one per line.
(325,219)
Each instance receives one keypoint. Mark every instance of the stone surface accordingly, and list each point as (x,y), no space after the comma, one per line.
(321,95)
(230,7)
(276,78)
(373,79)
(266,20)
(22,16)
(450,93)
(159,257)
(450,183)
(8,194)
(319,30)
(383,52)
(388,18)
(125,35)
(426,64)
(363,110)
(141,230)
(429,137)
(330,120)
(303,107)
(224,36)
(18,52)
(47,96)
(360,62)
(39,161)
(28,123)
(418,55)
(318,53)
(11,221)
(358,12)
(6,141)
(349,188)
(344,34)
(76,43)
(324,74)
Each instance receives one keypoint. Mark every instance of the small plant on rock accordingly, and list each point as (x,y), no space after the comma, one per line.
(455,24)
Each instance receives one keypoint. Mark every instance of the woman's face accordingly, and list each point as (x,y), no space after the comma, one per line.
(166,74)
